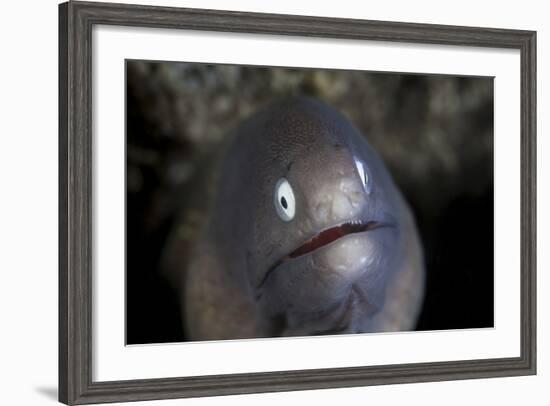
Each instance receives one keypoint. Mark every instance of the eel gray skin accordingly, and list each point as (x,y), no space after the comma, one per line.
(348,261)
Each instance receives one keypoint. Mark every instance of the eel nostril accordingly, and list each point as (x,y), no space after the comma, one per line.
(322,211)
(356,198)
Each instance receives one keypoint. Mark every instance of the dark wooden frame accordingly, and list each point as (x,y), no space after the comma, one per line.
(76,20)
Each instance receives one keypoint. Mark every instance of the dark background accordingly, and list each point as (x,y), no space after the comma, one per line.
(434,132)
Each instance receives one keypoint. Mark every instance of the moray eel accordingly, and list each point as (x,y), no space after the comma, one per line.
(306,234)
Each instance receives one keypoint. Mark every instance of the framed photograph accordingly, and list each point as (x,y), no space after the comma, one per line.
(258,202)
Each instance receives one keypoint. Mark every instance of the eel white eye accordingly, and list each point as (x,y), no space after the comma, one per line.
(284,200)
(363,174)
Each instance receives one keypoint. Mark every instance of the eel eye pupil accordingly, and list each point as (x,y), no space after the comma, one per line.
(285,202)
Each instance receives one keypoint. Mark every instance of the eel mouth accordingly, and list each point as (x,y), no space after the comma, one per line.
(322,239)
(332,234)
